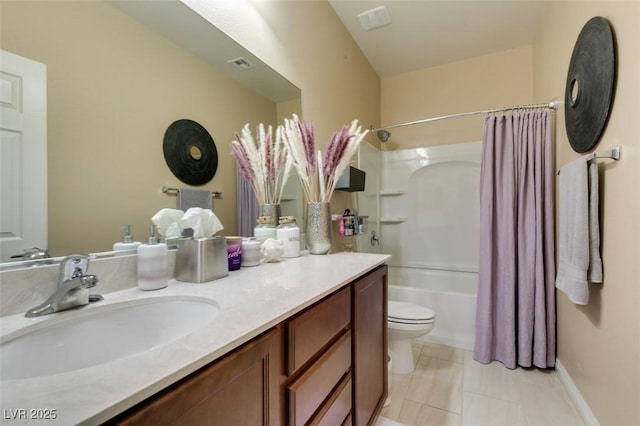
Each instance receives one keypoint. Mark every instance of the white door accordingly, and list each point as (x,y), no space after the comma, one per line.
(23,155)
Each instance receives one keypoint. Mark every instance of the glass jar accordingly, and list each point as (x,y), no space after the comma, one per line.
(264,229)
(289,233)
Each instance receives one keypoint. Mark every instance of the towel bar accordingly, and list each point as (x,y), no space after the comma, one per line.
(174,191)
(613,154)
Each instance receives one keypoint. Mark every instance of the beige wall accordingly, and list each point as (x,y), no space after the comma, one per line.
(113,89)
(306,42)
(337,82)
(599,344)
(485,82)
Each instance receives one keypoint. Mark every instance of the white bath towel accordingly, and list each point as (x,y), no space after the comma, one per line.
(579,230)
(594,274)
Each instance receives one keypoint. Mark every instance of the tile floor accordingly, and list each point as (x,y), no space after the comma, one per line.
(449,388)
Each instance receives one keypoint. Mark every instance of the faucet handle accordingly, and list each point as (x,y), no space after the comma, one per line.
(73,266)
(34,253)
(374,239)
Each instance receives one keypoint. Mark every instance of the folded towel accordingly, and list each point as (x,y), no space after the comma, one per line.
(188,198)
(594,273)
(579,239)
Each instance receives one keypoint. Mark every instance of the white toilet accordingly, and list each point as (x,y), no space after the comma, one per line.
(405,322)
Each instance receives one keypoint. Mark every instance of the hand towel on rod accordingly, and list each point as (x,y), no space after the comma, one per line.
(594,273)
(187,198)
(579,230)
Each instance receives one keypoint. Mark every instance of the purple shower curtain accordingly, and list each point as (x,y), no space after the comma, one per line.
(515,317)
(246,205)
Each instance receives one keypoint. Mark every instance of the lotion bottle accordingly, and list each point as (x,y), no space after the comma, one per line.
(153,263)
(127,245)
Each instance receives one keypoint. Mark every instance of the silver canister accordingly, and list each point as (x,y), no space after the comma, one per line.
(200,260)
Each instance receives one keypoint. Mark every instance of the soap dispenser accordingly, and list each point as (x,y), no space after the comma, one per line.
(127,245)
(153,263)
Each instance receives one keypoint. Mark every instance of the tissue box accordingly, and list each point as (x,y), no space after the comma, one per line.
(199,260)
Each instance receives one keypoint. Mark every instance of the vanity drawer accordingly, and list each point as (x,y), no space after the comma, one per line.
(336,411)
(308,391)
(316,327)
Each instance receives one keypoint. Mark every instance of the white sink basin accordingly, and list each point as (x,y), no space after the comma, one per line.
(99,335)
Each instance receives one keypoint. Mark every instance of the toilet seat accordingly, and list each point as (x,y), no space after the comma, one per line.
(408,313)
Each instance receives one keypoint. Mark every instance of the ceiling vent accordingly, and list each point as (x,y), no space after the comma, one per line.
(240,63)
(374,18)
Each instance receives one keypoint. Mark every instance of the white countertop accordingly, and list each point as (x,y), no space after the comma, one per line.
(251,300)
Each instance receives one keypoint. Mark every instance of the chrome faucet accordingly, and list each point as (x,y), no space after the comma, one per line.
(374,239)
(33,253)
(72,290)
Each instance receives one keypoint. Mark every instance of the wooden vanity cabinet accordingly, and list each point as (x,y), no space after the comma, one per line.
(242,388)
(326,365)
(369,329)
(311,395)
(315,328)
(329,382)
(318,358)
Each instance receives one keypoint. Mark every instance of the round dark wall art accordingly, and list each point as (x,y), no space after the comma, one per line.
(190,152)
(590,85)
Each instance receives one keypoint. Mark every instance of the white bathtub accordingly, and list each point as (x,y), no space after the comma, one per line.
(451,295)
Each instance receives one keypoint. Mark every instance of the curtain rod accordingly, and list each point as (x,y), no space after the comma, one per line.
(384,135)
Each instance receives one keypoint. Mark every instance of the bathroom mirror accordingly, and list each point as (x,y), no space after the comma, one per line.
(118,74)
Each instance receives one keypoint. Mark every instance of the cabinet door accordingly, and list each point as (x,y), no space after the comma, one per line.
(369,325)
(243,388)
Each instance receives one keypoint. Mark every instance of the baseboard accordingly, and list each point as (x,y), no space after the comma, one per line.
(575,395)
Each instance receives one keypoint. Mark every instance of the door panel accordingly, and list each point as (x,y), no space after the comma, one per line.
(23,155)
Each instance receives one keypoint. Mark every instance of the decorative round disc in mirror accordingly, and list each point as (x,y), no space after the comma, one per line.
(589,87)
(190,152)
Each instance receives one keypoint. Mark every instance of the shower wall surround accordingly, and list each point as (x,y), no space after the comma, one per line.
(429,206)
(429,223)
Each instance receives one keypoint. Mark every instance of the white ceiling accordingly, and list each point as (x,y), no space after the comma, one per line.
(427,33)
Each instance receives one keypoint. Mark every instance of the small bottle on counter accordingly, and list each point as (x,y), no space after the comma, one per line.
(153,263)
(289,233)
(264,229)
(127,245)
(234,252)
(250,252)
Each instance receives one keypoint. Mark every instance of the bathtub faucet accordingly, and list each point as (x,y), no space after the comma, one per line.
(374,239)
